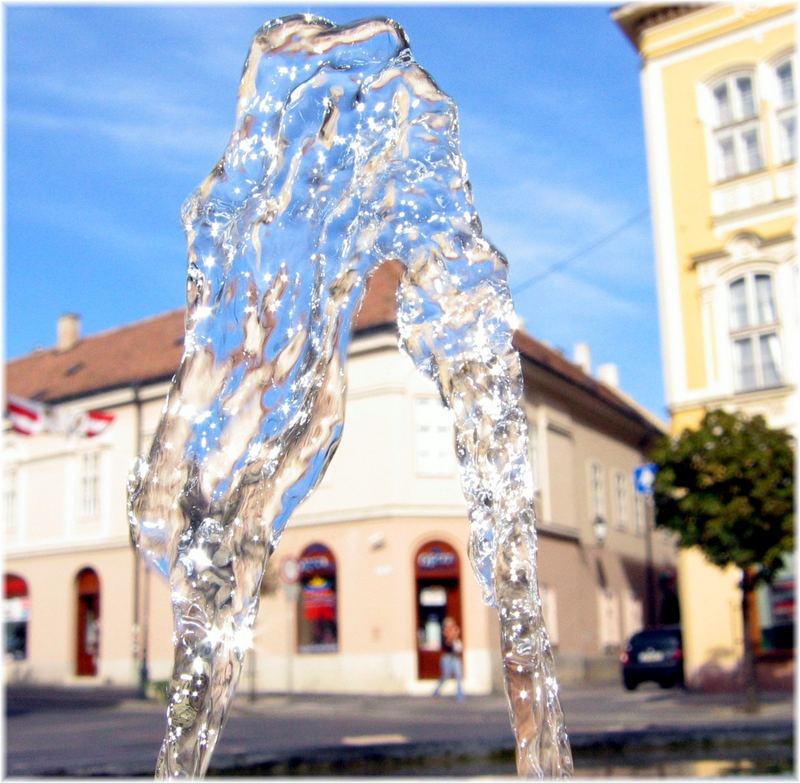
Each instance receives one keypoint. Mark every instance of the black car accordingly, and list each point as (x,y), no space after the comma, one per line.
(655,654)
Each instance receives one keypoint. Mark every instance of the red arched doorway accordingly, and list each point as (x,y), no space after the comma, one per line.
(88,635)
(438,595)
(15,612)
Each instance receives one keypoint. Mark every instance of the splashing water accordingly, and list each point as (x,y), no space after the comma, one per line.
(345,154)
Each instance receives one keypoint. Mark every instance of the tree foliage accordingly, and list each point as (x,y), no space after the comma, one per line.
(728,488)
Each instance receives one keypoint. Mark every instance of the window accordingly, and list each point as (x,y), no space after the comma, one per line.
(609,620)
(735,127)
(632,614)
(435,445)
(550,613)
(90,483)
(15,617)
(598,490)
(10,502)
(317,629)
(754,335)
(639,510)
(786,115)
(621,495)
(533,457)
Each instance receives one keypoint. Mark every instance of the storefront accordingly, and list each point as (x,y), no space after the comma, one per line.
(16,608)
(87,586)
(438,595)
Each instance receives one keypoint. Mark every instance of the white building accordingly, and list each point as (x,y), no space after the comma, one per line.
(381,544)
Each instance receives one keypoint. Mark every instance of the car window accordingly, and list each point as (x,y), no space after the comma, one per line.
(657,640)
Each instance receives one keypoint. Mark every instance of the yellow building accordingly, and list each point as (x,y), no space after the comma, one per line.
(720,120)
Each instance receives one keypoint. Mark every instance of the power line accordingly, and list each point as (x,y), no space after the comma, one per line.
(599,242)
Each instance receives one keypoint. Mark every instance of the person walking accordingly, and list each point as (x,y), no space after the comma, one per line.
(450,661)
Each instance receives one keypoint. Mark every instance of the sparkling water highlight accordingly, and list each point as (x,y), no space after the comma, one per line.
(345,155)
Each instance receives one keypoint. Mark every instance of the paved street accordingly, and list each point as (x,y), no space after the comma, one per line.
(62,732)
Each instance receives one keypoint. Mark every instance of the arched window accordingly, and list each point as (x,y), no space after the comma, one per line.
(87,586)
(16,606)
(317,629)
(754,332)
(785,109)
(735,126)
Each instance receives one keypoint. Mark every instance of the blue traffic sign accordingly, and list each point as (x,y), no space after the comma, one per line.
(643,478)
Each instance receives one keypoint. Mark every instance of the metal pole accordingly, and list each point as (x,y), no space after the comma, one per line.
(649,521)
(253,673)
(137,561)
(144,675)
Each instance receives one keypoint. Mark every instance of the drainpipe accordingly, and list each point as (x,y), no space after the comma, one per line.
(141,582)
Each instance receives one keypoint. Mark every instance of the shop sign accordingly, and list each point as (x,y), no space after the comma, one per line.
(316,559)
(436,559)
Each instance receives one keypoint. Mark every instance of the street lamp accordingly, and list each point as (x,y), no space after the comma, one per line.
(600,529)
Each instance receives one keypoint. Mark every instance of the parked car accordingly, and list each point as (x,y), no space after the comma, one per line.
(654,654)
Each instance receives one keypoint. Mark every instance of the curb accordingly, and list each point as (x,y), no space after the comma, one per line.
(477,758)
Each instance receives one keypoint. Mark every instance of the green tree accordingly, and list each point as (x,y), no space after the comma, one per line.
(727,488)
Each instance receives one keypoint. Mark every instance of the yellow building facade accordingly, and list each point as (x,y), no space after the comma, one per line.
(718,90)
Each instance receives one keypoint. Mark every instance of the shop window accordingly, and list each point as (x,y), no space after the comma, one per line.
(317,627)
(438,595)
(88,623)
(16,605)
(735,126)
(754,333)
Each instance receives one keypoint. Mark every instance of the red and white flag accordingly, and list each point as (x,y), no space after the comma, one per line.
(30,417)
(27,416)
(93,423)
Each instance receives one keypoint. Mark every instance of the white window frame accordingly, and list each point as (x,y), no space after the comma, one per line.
(550,612)
(91,484)
(434,444)
(621,499)
(597,489)
(533,459)
(785,110)
(733,128)
(609,620)
(754,330)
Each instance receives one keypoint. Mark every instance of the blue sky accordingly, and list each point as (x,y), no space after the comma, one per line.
(115,114)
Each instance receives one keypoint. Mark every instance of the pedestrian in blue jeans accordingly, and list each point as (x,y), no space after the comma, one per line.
(450,667)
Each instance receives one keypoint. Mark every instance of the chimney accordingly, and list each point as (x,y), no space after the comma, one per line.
(609,374)
(68,332)
(582,356)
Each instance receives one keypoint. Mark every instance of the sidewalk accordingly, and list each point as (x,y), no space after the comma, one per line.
(71,733)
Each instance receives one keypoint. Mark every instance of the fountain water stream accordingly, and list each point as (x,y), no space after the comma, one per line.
(345,154)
